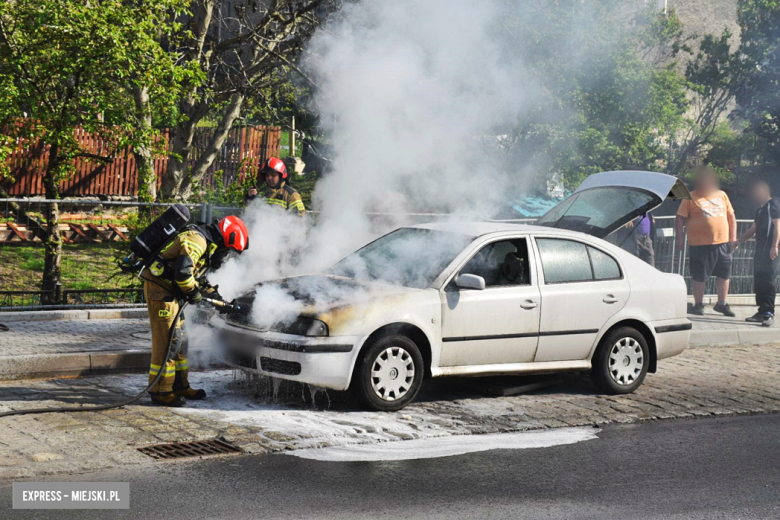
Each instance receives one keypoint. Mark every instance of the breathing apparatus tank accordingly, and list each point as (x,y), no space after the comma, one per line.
(146,246)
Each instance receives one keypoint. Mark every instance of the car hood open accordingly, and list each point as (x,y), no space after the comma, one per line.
(607,201)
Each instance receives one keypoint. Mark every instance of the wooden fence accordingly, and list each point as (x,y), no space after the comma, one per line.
(244,149)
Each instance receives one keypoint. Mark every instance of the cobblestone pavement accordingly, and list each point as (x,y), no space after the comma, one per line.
(264,416)
(49,337)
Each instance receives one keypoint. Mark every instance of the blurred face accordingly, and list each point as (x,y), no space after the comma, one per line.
(760,193)
(272,178)
(706,181)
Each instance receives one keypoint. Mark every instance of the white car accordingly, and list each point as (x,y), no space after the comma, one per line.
(480,298)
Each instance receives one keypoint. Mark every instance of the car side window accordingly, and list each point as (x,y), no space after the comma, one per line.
(564,260)
(604,266)
(501,263)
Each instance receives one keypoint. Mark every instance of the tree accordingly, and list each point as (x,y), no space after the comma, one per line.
(245,52)
(61,63)
(713,78)
(759,99)
(612,90)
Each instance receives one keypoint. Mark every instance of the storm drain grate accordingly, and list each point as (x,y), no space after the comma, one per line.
(180,450)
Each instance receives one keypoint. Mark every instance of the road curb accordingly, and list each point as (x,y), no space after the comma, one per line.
(735,337)
(80,364)
(70,315)
(75,364)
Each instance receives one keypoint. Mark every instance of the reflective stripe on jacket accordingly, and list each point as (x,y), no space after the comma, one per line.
(187,255)
(286,197)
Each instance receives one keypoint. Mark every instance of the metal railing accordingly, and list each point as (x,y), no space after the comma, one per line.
(96,233)
(95,236)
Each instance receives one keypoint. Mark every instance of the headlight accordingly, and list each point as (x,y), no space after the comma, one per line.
(307,327)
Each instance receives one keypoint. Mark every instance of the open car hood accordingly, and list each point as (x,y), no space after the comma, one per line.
(607,201)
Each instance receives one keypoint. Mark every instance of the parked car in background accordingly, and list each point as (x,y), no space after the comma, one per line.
(478,298)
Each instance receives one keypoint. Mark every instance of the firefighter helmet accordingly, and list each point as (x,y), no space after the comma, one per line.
(234,233)
(275,165)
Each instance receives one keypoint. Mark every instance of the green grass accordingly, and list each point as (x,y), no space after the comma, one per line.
(84,266)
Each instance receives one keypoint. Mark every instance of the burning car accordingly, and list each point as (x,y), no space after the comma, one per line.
(479,298)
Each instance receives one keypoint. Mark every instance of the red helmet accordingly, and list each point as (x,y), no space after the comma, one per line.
(275,164)
(234,233)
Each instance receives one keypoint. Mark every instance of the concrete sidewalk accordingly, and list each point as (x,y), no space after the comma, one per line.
(76,345)
(714,329)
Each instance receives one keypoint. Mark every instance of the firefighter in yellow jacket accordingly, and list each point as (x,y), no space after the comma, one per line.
(278,192)
(180,273)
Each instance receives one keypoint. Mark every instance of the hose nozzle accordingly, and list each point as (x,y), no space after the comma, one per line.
(220,304)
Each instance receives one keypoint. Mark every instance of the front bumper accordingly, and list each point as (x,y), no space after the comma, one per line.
(320,361)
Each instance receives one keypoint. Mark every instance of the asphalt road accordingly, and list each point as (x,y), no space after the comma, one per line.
(705,468)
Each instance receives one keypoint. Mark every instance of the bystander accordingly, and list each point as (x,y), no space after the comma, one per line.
(766,262)
(709,220)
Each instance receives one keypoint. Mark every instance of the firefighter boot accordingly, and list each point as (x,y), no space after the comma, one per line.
(191,393)
(175,401)
(181,383)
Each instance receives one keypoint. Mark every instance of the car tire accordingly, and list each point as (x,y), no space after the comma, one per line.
(389,373)
(621,361)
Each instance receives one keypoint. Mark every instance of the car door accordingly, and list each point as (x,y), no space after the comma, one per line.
(499,324)
(581,287)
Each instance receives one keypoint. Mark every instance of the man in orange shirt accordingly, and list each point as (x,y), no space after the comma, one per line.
(712,227)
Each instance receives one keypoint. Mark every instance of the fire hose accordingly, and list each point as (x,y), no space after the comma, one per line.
(168,356)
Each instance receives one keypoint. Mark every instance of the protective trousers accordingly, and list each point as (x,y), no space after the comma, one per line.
(163,306)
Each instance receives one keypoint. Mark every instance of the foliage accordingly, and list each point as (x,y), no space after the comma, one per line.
(613,92)
(230,195)
(61,62)
(759,99)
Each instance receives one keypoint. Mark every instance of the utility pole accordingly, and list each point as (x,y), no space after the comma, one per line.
(292,137)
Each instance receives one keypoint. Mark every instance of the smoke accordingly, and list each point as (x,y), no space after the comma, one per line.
(409,94)
(421,102)
(277,241)
(273,306)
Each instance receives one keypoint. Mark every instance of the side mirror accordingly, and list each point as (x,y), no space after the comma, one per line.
(470,281)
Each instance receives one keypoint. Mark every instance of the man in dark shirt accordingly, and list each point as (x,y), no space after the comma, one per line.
(766,262)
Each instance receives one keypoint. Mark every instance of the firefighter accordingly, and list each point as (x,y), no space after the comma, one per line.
(278,191)
(180,273)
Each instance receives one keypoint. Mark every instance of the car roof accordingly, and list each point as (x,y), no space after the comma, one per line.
(474,228)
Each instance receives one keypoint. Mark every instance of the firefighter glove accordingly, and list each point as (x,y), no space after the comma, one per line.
(194,296)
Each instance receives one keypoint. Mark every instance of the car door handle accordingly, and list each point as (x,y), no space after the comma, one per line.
(610,298)
(529,304)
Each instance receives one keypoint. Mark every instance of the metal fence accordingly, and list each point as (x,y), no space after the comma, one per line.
(96,235)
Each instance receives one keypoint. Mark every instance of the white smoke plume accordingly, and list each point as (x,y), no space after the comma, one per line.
(409,91)
(416,98)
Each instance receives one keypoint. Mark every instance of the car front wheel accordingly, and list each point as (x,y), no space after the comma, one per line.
(389,373)
(621,361)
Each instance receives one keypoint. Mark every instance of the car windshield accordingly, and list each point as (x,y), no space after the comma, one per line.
(410,257)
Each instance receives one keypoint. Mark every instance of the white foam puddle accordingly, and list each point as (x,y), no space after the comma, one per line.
(448,446)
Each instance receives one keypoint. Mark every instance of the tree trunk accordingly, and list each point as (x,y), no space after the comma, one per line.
(52,242)
(180,147)
(213,147)
(191,109)
(144,160)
